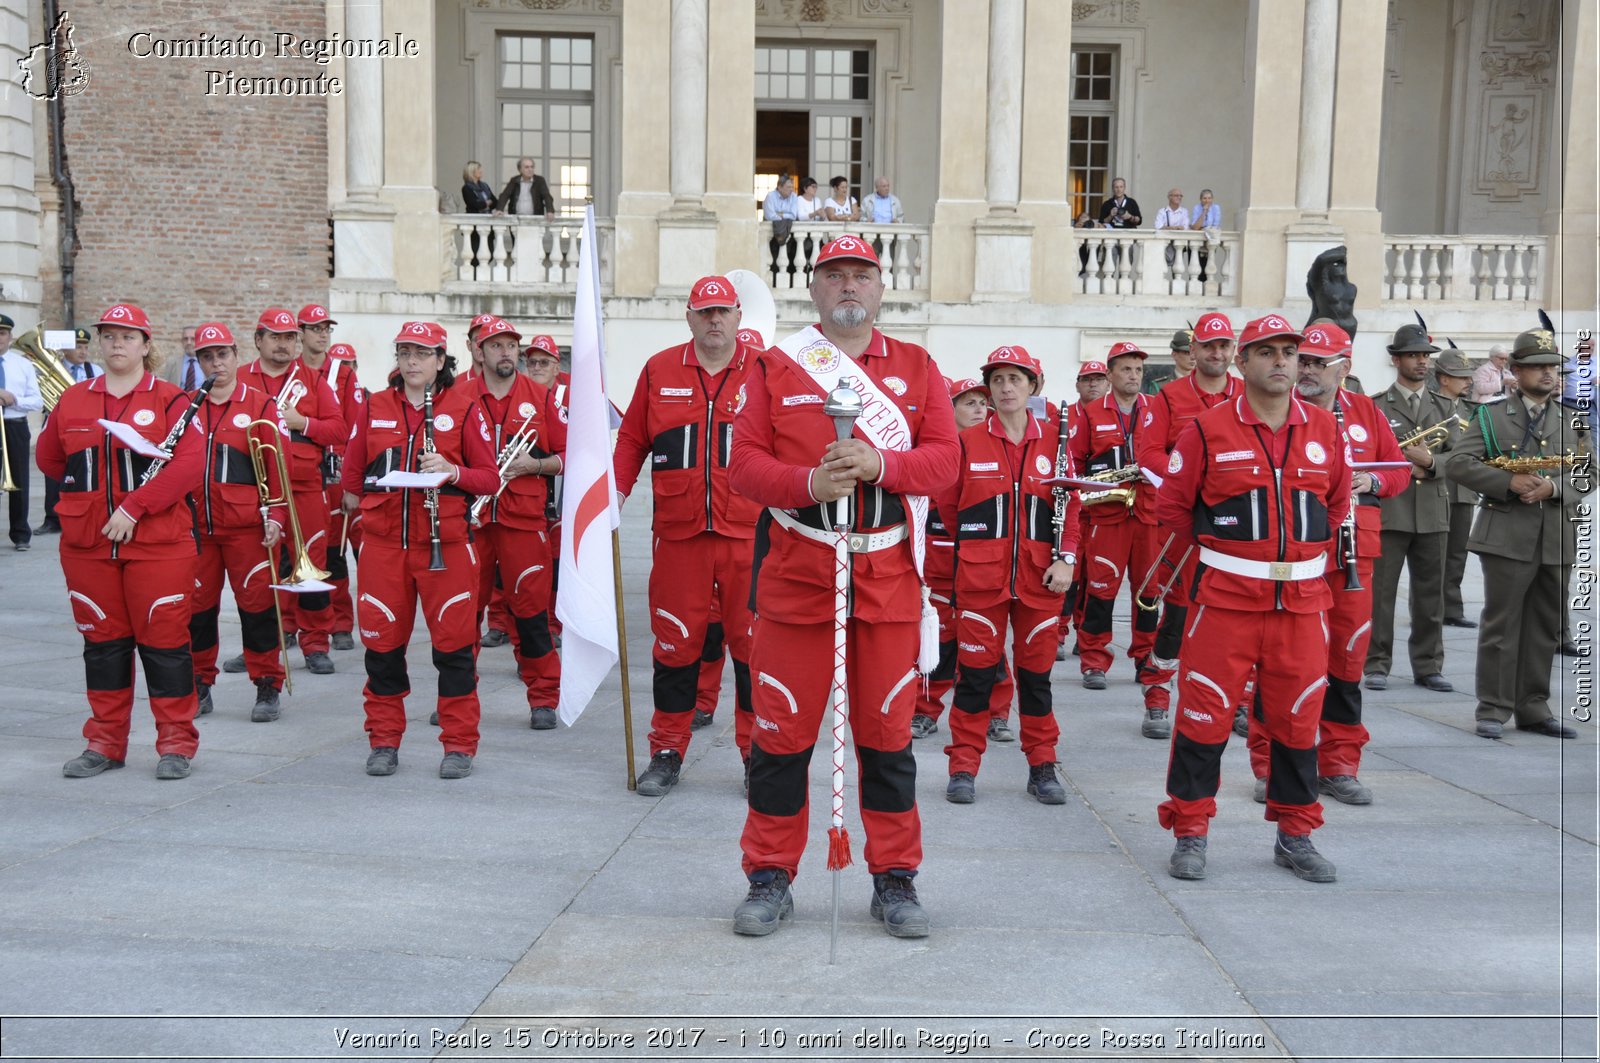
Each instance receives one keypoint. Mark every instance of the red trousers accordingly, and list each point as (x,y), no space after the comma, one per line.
(343,616)
(930,694)
(311,615)
(688,578)
(1114,554)
(1288,652)
(708,692)
(793,667)
(980,655)
(393,580)
(522,557)
(237,556)
(1341,735)
(120,606)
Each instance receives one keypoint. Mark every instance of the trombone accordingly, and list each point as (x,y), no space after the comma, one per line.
(6,482)
(1434,435)
(303,570)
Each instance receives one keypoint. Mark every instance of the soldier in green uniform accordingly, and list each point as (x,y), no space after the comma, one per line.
(1416,521)
(1525,536)
(1454,375)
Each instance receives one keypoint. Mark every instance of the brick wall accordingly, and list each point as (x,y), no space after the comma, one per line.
(197,207)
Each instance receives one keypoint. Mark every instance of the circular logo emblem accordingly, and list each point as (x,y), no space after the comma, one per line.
(1358,433)
(417,328)
(561,411)
(241,420)
(895,384)
(117,312)
(711,288)
(820,357)
(1042,463)
(443,422)
(1315,454)
(144,418)
(1149,418)
(1175,463)
(358,395)
(525,410)
(738,405)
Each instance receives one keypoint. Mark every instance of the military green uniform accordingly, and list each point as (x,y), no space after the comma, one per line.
(1416,523)
(1527,549)
(1463,500)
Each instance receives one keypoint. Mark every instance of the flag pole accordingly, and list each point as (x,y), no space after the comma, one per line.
(622,656)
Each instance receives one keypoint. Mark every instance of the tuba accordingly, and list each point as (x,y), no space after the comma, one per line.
(54,378)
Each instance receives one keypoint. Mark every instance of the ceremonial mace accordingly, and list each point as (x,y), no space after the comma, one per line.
(844,406)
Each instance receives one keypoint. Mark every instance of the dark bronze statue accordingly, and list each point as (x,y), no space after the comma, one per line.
(1332,295)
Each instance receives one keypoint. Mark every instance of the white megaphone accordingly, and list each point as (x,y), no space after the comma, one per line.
(758,310)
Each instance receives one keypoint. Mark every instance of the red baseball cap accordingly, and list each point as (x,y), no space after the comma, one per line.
(315,314)
(1270,327)
(547,344)
(478,323)
(212,334)
(848,246)
(750,336)
(422,334)
(959,388)
(1326,341)
(342,350)
(497,327)
(126,315)
(277,319)
(1092,369)
(1213,326)
(1013,356)
(1124,348)
(713,291)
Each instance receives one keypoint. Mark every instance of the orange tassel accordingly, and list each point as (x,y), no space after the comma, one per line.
(838,848)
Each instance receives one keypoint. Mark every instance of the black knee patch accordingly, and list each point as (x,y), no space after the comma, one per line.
(169,672)
(1342,702)
(1033,693)
(946,669)
(888,779)
(1069,605)
(742,700)
(386,672)
(1146,619)
(259,630)
(711,649)
(1096,616)
(973,687)
(1169,636)
(778,781)
(458,673)
(676,688)
(1258,710)
(108,665)
(1294,775)
(315,602)
(203,628)
(1195,770)
(533,635)
(338,567)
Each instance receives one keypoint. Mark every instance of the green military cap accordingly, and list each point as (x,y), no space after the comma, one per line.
(1535,347)
(1411,339)
(6,322)
(1181,338)
(81,335)
(1452,363)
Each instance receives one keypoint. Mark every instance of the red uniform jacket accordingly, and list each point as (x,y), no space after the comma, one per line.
(100,476)
(1169,413)
(391,437)
(1002,512)
(1372,439)
(683,419)
(1241,489)
(1105,438)
(522,504)
(228,497)
(780,437)
(325,426)
(340,375)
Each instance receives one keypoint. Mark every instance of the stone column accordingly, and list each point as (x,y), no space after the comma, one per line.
(731,138)
(1047,88)
(1570,219)
(1320,50)
(963,113)
(688,231)
(1273,58)
(21,293)
(363,225)
(1003,241)
(409,176)
(646,118)
(1353,191)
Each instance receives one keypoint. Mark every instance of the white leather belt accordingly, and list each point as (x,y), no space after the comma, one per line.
(1282,571)
(858,542)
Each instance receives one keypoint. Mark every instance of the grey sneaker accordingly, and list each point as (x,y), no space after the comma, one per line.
(1295,852)
(768,903)
(894,900)
(455,766)
(88,763)
(1061,651)
(202,697)
(343,640)
(1260,793)
(1094,679)
(961,790)
(319,664)
(999,730)
(234,665)
(1157,724)
(433,717)
(542,719)
(661,775)
(1346,789)
(923,726)
(1188,860)
(1043,784)
(495,637)
(383,760)
(1241,721)
(172,766)
(701,719)
(265,710)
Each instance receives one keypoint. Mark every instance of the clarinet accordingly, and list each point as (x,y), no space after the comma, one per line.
(171,442)
(1346,550)
(430,496)
(1061,491)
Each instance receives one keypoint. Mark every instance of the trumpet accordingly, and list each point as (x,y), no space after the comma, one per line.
(1537,462)
(293,390)
(6,482)
(1125,475)
(1434,435)
(527,435)
(47,364)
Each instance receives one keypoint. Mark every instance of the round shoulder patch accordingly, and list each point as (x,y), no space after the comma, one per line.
(144,417)
(738,405)
(1042,463)
(1315,454)
(561,411)
(241,420)
(819,357)
(1358,433)
(895,384)
(1175,463)
(1149,418)
(525,410)
(443,422)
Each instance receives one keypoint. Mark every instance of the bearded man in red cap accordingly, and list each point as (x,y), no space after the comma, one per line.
(787,456)
(1259,485)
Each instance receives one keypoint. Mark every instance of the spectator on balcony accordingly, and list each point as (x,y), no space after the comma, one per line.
(1173,216)
(840,205)
(781,204)
(1121,211)
(1207,215)
(527,193)
(477,195)
(883,206)
(810,202)
(1493,379)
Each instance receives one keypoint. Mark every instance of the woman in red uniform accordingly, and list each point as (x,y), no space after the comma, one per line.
(395,568)
(127,545)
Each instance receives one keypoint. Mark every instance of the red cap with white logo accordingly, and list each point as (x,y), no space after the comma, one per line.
(421,334)
(959,388)
(478,323)
(1326,341)
(1092,369)
(277,319)
(750,337)
(1271,327)
(342,350)
(1012,356)
(848,246)
(711,292)
(1125,348)
(127,316)
(212,334)
(315,314)
(547,344)
(497,327)
(1213,326)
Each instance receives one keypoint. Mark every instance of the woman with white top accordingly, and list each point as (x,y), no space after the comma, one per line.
(841,205)
(810,202)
